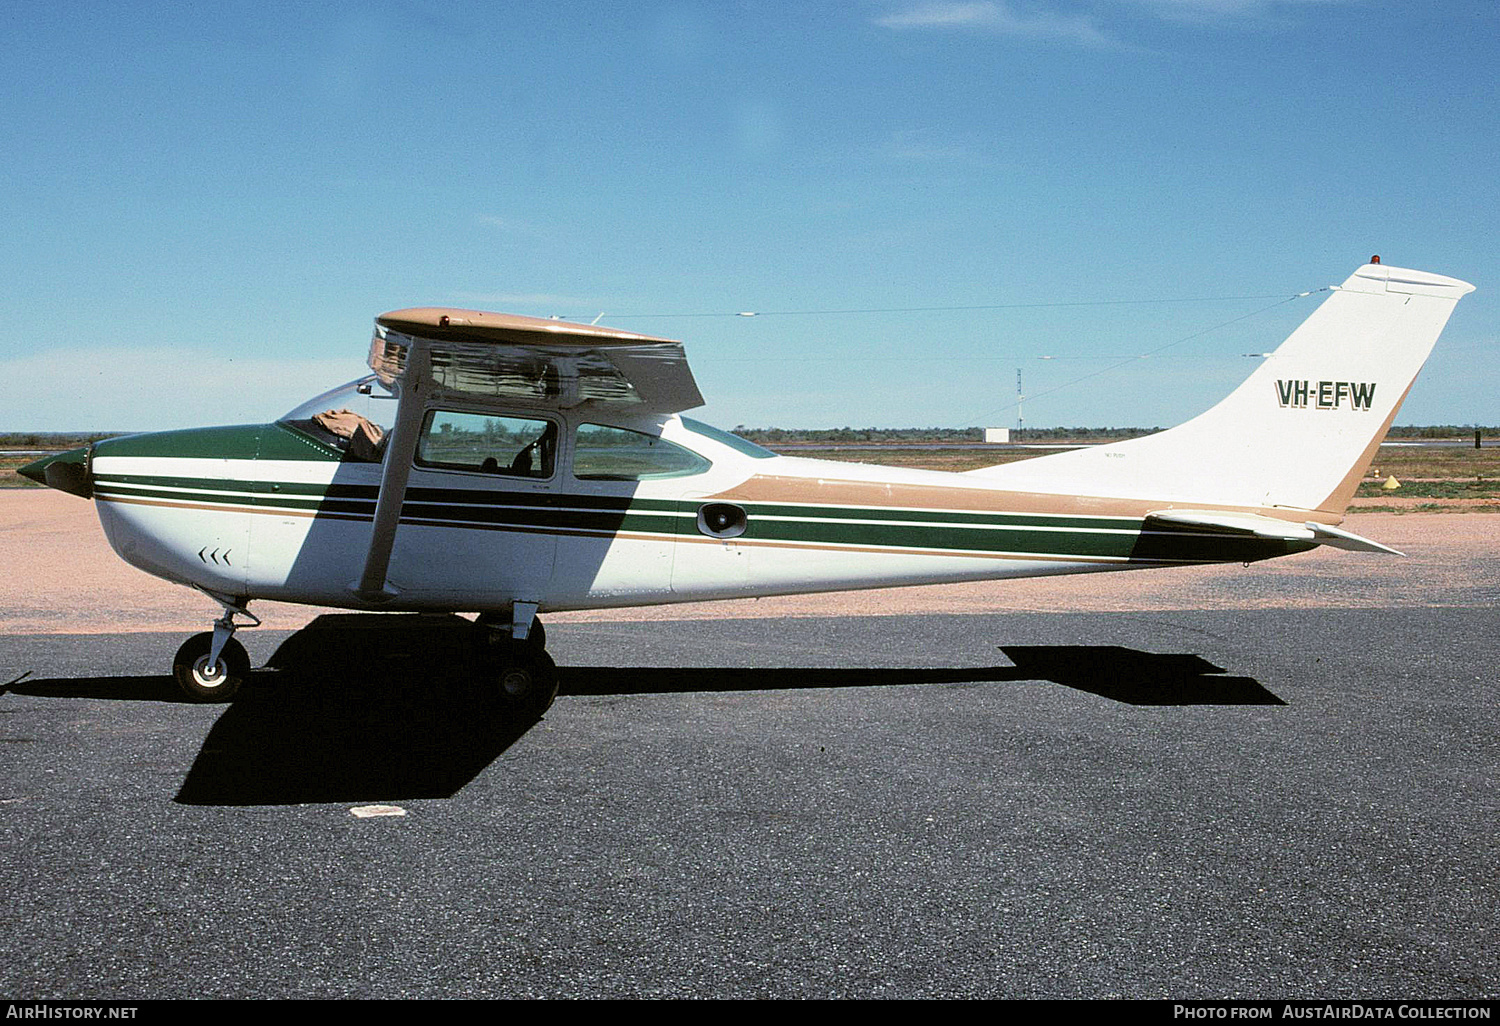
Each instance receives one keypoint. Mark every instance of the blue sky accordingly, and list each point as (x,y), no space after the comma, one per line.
(206,205)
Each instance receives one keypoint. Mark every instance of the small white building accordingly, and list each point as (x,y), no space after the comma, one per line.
(1001,435)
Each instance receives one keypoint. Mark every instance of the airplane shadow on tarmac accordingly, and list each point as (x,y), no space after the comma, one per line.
(374,707)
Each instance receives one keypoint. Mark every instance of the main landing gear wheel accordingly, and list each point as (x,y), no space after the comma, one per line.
(205,683)
(528,681)
(518,672)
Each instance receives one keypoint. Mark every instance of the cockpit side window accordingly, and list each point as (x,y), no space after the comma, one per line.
(603,453)
(489,444)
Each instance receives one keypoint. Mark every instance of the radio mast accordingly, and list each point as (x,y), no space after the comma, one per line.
(1020,420)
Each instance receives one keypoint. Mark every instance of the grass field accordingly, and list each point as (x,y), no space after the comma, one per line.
(1452,478)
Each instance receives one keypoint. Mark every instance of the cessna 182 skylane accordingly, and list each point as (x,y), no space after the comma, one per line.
(507,466)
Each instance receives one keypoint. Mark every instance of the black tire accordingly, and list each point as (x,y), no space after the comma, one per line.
(528,683)
(203,683)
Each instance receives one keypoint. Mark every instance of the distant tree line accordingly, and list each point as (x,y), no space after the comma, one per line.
(773,436)
(937,436)
(61,440)
(1441,431)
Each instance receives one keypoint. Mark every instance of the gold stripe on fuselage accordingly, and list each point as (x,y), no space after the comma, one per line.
(823,492)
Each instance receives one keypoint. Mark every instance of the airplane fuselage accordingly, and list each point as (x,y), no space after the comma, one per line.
(267,511)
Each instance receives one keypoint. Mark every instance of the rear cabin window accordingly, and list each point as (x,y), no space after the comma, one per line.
(512,446)
(602,453)
(743,445)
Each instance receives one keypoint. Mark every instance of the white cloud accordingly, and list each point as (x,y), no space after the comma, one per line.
(1078,23)
(510,226)
(940,15)
(1225,10)
(1000,18)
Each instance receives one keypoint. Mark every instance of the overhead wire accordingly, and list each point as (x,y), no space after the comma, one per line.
(1281,300)
(1151,352)
(945,309)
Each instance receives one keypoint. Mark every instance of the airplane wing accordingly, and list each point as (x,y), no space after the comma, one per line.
(1268,527)
(434,352)
(529,359)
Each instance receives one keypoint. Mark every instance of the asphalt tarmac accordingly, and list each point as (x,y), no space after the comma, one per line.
(1234,803)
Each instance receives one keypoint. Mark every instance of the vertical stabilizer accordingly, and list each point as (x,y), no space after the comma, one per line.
(1300,432)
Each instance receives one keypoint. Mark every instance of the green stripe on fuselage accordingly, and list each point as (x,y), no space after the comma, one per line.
(1018,534)
(944,517)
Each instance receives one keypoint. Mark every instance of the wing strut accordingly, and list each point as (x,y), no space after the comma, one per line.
(400,451)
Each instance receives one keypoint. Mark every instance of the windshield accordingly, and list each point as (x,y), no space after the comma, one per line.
(354,419)
(366,397)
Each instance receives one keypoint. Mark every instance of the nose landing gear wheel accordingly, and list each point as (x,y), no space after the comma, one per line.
(204,683)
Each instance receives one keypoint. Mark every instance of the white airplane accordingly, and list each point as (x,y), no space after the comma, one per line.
(508,466)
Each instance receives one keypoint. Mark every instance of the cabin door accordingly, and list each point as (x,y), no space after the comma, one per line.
(480,511)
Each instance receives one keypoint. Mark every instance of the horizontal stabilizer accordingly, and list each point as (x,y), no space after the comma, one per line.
(1269,527)
(1342,539)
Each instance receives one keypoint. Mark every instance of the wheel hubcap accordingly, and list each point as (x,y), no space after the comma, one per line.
(515,683)
(208,676)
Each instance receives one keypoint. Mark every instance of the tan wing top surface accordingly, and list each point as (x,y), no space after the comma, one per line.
(446,324)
